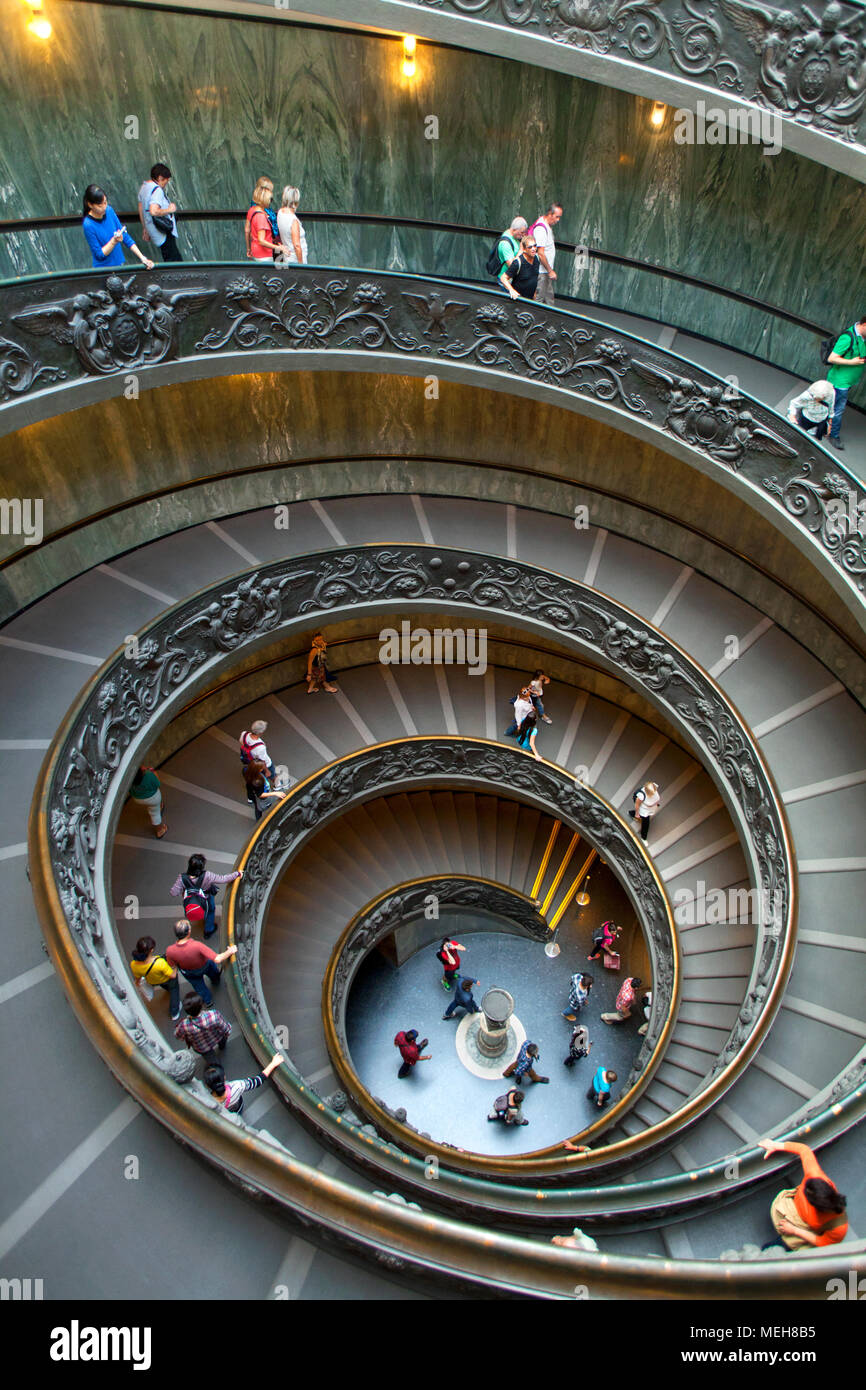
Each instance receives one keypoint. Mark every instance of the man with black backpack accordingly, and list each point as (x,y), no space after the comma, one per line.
(506,248)
(845,361)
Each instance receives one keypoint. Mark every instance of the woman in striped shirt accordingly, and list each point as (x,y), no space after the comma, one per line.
(231,1093)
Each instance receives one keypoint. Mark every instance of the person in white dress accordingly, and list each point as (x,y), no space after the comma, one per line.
(292,235)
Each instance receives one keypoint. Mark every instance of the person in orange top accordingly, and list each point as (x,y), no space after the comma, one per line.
(814,1212)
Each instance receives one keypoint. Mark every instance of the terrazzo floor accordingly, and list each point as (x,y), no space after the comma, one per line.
(441,1096)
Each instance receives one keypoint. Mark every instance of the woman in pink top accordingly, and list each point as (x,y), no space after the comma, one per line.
(260,243)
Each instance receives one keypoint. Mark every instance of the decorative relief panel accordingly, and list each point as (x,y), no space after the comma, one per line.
(106,329)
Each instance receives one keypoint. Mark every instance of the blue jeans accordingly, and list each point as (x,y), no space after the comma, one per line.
(841,402)
(539,705)
(196,979)
(467,1003)
(210,915)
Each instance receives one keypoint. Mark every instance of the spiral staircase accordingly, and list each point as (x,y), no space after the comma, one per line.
(94,1162)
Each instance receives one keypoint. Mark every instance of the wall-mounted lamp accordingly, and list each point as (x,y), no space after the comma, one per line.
(39,26)
(409,45)
(657,115)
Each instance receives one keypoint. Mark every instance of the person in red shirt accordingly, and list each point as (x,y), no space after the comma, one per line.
(259,232)
(447,953)
(410,1050)
(624,1001)
(194,960)
(814,1212)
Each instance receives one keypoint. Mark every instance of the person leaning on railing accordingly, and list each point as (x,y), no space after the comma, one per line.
(231,1093)
(813,1213)
(104,233)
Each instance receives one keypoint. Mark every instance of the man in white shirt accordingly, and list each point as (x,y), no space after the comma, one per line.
(522,706)
(813,409)
(542,230)
(252,746)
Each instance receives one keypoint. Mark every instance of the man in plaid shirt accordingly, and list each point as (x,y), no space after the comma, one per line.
(204,1030)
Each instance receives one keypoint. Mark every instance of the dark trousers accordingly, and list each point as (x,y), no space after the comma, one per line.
(471,1007)
(592,1094)
(196,979)
(214,1054)
(405,1069)
(818,428)
(173,994)
(169,248)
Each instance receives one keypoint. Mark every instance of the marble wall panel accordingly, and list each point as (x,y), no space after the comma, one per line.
(223,100)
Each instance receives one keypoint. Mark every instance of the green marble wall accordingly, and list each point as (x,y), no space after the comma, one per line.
(223,100)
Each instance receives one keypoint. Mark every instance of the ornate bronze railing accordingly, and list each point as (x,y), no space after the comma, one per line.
(390,768)
(109,331)
(185,649)
(79,792)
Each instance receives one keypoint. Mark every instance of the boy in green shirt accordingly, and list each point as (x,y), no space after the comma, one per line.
(845,367)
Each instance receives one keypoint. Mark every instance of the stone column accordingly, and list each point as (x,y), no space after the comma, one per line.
(492,1037)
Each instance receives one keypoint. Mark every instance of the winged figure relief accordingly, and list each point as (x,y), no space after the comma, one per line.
(114,329)
(813,66)
(435,313)
(711,417)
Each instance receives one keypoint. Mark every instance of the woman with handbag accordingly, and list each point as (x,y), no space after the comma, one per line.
(813,1213)
(151,969)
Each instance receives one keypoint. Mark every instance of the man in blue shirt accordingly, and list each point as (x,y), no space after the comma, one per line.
(599,1091)
(104,233)
(153,202)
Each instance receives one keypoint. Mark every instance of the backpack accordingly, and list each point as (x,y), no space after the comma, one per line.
(194,899)
(494,263)
(827,345)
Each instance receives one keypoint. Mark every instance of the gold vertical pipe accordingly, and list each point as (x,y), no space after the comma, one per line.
(554,922)
(559,873)
(545,859)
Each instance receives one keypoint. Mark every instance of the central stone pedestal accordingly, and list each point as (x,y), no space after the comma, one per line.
(491,1039)
(497,1006)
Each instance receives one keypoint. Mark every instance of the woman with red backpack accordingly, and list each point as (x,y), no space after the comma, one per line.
(198,886)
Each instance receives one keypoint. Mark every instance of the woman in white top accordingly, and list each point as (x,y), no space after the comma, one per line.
(813,409)
(646,803)
(292,234)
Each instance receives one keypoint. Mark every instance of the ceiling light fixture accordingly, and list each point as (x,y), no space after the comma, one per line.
(658,113)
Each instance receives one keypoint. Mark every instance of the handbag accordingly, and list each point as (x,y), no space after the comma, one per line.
(144,983)
(162,224)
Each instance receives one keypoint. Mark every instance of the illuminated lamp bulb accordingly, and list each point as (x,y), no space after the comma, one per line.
(408,45)
(408,67)
(657,115)
(40,28)
(583,897)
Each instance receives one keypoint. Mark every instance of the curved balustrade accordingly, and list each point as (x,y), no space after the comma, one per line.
(803,66)
(136,693)
(206,320)
(76,804)
(597,276)
(389,768)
